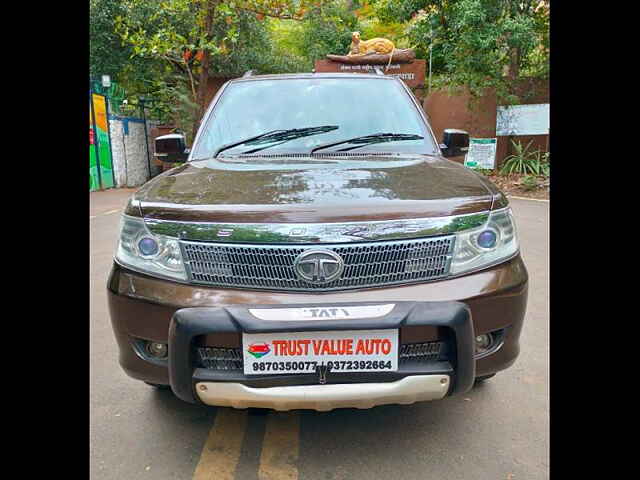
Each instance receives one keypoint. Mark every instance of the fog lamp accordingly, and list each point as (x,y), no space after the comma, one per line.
(483,342)
(157,350)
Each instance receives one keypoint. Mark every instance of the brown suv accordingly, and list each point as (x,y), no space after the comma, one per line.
(316,251)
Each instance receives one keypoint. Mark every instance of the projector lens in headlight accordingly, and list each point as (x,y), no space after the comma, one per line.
(492,243)
(487,239)
(145,252)
(148,246)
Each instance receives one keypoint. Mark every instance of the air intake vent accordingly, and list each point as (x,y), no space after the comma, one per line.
(217,358)
(429,351)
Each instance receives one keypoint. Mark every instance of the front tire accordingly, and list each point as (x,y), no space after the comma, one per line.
(158,386)
(482,379)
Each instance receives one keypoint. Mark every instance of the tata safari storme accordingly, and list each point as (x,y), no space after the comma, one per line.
(315,249)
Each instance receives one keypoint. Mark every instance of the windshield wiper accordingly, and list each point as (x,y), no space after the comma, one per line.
(369,139)
(280,136)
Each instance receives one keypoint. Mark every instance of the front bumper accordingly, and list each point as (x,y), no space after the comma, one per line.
(141,308)
(411,382)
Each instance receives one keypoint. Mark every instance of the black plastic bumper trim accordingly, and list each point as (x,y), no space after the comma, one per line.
(189,323)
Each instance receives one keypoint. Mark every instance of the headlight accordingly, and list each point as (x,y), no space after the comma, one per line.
(143,251)
(493,242)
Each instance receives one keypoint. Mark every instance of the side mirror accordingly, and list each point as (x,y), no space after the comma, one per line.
(454,142)
(171,148)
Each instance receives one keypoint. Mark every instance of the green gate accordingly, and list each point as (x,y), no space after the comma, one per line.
(101,174)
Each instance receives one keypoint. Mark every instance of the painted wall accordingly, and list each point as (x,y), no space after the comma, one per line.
(100,162)
(129,153)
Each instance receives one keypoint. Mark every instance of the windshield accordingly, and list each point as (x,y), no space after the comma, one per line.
(356,106)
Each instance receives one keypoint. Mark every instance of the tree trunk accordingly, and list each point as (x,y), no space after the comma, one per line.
(203,81)
(514,63)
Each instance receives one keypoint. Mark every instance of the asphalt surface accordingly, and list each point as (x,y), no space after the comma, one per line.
(499,430)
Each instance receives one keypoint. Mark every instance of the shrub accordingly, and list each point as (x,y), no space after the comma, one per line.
(529,182)
(526,162)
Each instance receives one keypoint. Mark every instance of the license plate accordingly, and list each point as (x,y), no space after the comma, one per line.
(303,352)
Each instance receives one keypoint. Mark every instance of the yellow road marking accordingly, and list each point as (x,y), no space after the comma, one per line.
(280,447)
(221,451)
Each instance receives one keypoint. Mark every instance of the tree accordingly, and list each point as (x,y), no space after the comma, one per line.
(196,37)
(106,54)
(476,43)
(327,30)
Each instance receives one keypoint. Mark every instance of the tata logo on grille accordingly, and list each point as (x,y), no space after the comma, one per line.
(319,266)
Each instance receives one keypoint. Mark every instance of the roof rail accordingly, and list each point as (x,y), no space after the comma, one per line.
(248,73)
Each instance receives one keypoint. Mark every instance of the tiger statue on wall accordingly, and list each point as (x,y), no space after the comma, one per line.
(374,45)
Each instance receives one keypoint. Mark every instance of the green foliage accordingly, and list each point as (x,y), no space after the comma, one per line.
(398,10)
(371,26)
(487,172)
(181,37)
(327,30)
(286,55)
(173,102)
(529,182)
(476,42)
(155,47)
(526,162)
(254,49)
(106,54)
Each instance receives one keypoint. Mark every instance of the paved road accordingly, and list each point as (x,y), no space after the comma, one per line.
(497,431)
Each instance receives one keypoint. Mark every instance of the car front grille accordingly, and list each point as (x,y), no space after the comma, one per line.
(423,352)
(218,358)
(272,267)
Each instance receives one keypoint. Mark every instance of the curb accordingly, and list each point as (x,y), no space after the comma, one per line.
(530,199)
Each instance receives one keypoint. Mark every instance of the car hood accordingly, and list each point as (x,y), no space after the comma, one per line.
(299,190)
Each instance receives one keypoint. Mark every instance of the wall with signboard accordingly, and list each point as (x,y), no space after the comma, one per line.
(456,108)
(412,73)
(101,173)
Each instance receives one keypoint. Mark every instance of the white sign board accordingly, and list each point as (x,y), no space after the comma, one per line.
(523,120)
(481,154)
(303,352)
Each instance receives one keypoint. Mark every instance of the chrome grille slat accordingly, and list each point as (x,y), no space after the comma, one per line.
(271,267)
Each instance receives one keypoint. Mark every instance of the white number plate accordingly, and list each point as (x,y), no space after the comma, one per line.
(303,352)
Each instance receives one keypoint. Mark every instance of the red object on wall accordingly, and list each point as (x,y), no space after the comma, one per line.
(91,136)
